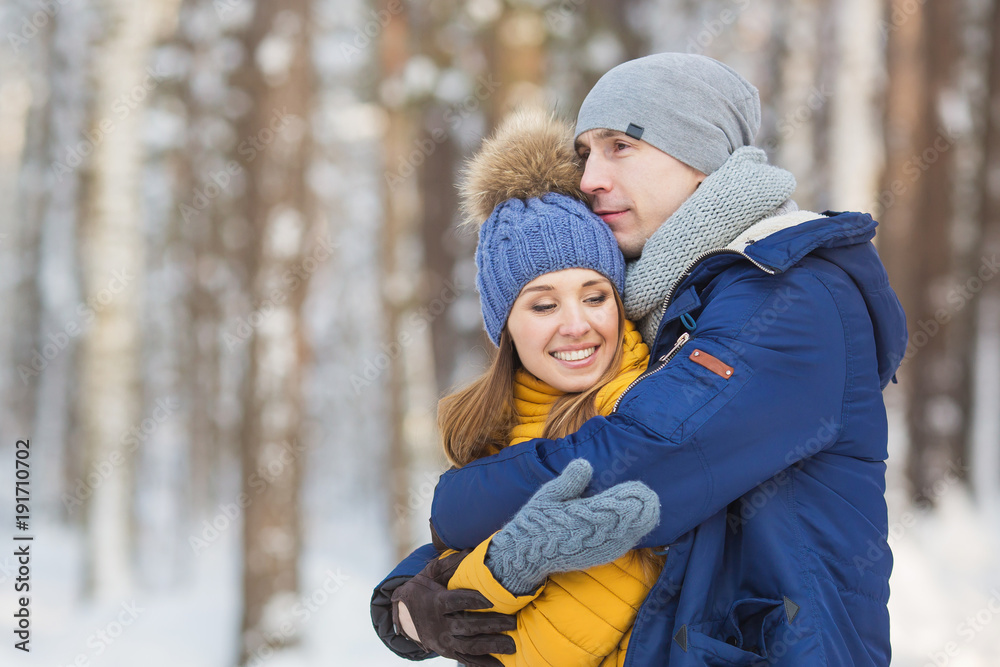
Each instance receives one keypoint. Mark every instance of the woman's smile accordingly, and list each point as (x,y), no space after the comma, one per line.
(564,326)
(577,358)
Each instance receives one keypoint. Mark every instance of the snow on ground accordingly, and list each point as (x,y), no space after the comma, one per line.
(945,603)
(195,624)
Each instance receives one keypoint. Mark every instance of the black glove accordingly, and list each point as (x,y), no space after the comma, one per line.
(442,621)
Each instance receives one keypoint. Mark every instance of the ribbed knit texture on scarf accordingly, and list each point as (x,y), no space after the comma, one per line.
(533,398)
(743,191)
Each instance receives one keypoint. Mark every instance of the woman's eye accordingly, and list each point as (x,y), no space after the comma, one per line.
(598,299)
(543,307)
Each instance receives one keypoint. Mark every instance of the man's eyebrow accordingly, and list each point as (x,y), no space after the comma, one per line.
(603,133)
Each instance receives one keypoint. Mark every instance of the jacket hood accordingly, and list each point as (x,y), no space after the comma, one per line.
(844,240)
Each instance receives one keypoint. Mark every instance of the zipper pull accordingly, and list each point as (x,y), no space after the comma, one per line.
(684,337)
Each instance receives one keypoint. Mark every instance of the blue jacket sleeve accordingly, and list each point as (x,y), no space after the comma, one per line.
(699,438)
(381,605)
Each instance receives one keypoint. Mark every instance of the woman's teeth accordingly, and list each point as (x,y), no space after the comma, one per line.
(575,355)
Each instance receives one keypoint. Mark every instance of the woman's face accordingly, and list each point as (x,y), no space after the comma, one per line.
(564,326)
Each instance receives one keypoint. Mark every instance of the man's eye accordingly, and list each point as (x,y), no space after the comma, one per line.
(621,146)
(583,155)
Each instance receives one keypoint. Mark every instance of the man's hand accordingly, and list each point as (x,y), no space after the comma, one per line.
(442,620)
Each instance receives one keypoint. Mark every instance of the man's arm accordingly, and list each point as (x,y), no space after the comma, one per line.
(698,436)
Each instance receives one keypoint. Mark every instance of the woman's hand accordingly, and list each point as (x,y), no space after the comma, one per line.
(440,620)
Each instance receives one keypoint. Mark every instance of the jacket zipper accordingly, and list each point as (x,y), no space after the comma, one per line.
(666,302)
(703,256)
(684,337)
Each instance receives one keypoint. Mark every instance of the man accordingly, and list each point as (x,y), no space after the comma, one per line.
(761,427)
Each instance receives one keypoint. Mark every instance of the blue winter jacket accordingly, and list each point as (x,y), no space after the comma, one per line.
(763,431)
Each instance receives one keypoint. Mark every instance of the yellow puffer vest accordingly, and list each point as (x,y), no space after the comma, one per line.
(575,619)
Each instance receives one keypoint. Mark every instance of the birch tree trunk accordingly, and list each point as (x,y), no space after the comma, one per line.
(111,251)
(276,152)
(798,129)
(856,156)
(986,469)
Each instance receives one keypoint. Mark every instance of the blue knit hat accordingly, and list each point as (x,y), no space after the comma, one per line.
(527,238)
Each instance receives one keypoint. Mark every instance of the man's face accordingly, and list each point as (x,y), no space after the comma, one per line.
(632,186)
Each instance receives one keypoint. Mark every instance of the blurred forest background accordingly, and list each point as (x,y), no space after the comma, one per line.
(233,289)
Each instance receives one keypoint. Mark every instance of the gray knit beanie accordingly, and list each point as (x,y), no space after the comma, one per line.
(690,106)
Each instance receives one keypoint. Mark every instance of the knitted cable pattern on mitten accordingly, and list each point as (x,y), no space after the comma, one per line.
(558,531)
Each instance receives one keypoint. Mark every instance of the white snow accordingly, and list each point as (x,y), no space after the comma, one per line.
(945,594)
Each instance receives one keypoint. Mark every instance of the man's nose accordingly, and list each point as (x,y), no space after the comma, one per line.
(596,176)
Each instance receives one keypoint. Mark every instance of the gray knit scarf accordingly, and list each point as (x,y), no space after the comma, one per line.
(743,191)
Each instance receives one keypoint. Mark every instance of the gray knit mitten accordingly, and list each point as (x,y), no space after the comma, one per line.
(558,531)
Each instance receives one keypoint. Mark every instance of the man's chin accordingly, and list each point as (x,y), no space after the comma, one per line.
(630,247)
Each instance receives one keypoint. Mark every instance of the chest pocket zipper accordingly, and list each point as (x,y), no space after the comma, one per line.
(661,362)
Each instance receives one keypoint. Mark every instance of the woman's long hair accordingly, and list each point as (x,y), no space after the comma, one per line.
(476,421)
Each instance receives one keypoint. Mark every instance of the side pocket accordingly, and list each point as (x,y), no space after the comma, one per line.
(741,639)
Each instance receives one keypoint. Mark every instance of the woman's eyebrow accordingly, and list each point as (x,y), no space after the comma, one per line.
(596,281)
(537,288)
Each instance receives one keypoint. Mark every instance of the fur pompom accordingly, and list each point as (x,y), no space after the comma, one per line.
(530,154)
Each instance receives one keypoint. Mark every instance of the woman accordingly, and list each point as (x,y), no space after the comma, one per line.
(549,277)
